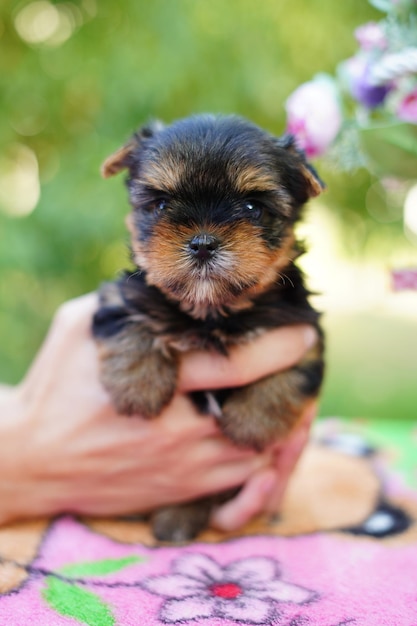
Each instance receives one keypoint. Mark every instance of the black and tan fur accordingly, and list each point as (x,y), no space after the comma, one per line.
(215,200)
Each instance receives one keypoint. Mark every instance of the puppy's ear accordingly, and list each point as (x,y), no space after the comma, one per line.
(311,183)
(129,155)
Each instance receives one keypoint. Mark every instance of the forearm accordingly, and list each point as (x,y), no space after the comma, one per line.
(11,453)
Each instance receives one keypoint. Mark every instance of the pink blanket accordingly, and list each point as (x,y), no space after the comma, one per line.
(344,551)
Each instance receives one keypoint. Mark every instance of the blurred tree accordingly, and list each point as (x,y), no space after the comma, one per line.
(77,76)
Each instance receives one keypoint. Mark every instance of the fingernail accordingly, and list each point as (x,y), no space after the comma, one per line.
(310,336)
(268,483)
(310,414)
(300,440)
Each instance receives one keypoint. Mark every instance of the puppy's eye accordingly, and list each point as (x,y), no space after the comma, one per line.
(254,209)
(161,205)
(158,206)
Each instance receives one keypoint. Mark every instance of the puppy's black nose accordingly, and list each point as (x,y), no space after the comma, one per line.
(203,246)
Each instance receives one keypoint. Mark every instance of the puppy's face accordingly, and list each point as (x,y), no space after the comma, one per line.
(214,203)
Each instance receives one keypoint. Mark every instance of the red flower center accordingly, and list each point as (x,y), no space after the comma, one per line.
(229,591)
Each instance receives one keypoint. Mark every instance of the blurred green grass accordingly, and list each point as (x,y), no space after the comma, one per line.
(73,103)
(371,366)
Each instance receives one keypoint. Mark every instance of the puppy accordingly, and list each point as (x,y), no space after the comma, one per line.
(215,200)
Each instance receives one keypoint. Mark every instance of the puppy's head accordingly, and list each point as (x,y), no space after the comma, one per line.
(214,203)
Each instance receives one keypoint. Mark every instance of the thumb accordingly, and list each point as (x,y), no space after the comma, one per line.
(249,502)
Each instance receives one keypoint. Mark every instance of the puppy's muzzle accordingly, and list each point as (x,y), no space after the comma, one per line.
(203,246)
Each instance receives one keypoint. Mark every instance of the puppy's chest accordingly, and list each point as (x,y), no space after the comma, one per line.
(171,328)
(208,334)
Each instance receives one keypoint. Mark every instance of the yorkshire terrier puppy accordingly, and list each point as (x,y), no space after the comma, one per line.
(215,200)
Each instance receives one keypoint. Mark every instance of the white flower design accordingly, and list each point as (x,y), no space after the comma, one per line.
(244,590)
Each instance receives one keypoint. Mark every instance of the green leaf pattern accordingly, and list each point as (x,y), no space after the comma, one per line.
(99,568)
(72,599)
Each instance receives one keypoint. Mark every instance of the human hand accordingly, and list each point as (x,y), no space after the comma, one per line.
(265,489)
(65,449)
(274,351)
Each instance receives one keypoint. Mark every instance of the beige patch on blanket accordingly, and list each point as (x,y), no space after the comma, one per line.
(19,544)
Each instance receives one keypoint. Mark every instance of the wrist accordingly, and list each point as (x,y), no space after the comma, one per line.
(12,436)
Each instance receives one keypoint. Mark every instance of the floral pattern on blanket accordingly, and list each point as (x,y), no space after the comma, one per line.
(70,572)
(243,590)
(83,578)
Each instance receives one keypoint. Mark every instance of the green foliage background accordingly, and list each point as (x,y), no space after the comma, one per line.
(126,62)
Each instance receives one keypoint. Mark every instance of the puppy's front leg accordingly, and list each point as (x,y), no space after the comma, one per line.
(139,377)
(259,414)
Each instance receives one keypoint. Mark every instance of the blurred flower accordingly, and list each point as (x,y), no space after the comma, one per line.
(404,279)
(365,115)
(407,109)
(314,115)
(370,36)
(359,78)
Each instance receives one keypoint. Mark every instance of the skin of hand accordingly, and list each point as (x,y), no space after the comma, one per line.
(64,449)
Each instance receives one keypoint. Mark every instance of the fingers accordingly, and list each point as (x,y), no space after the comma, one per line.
(70,328)
(264,490)
(75,315)
(288,454)
(251,500)
(273,351)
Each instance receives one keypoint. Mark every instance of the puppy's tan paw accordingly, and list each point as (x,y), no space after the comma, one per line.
(144,389)
(257,415)
(140,379)
(241,425)
(181,522)
(128,401)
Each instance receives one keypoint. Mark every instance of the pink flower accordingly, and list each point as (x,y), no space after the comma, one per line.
(314,115)
(370,36)
(404,279)
(407,109)
(244,590)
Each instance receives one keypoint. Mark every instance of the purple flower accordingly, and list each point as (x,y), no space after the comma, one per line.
(358,72)
(244,590)
(313,115)
(370,36)
(407,109)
